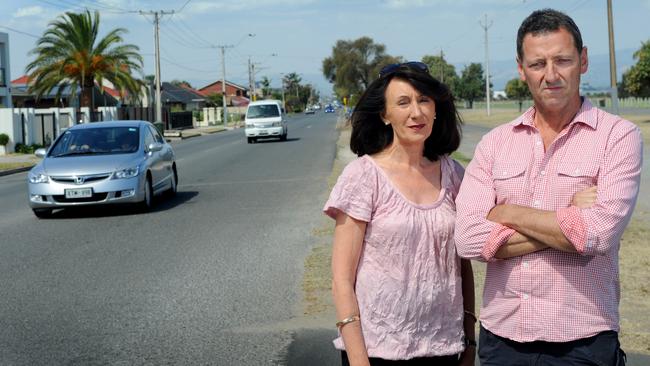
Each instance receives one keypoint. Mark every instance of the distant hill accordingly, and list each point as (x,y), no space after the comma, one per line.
(597,76)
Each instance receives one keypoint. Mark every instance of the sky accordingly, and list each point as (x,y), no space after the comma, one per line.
(284,36)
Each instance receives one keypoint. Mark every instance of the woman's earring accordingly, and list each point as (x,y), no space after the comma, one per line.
(434,117)
(386,122)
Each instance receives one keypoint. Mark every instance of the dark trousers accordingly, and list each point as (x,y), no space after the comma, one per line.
(421,361)
(603,349)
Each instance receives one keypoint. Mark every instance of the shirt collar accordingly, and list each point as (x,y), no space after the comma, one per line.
(587,114)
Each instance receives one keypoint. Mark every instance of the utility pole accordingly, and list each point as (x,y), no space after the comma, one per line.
(156,31)
(284,105)
(612,58)
(223,82)
(485,27)
(251,79)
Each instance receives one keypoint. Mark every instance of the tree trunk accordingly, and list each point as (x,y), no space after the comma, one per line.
(521,103)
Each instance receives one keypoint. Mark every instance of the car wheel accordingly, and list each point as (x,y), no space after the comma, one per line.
(42,213)
(147,202)
(283,137)
(173,188)
(250,140)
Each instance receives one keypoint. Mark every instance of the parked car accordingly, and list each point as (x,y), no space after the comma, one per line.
(264,119)
(310,110)
(102,163)
(329,109)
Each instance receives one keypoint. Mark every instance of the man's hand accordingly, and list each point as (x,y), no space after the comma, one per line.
(585,198)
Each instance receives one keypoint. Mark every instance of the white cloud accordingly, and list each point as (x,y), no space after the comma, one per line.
(29,11)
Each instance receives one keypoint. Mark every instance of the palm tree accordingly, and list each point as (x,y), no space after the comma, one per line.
(69,55)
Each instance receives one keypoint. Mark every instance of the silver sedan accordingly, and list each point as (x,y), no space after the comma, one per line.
(103,163)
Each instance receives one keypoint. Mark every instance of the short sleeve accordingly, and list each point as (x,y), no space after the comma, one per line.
(354,192)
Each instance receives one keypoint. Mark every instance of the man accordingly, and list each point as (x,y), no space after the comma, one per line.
(544,202)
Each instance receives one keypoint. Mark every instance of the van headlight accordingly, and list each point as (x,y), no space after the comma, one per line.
(37,178)
(277,124)
(126,173)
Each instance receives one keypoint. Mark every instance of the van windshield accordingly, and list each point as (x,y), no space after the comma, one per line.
(263,111)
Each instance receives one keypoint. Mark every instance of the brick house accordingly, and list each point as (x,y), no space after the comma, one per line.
(236,95)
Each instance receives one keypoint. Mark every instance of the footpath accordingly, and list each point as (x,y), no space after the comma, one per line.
(16,163)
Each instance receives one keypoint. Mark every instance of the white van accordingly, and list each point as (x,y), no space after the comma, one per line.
(265,119)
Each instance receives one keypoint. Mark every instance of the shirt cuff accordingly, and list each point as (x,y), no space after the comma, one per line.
(573,227)
(498,236)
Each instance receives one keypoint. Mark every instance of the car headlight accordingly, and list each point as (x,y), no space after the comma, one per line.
(37,178)
(250,125)
(277,124)
(126,173)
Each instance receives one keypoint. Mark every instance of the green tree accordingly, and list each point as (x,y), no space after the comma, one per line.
(69,54)
(214,100)
(266,87)
(517,89)
(637,79)
(355,64)
(181,83)
(471,85)
(292,84)
(442,70)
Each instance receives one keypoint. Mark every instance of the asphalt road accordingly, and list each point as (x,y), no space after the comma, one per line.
(209,277)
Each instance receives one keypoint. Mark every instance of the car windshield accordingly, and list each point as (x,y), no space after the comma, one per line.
(263,111)
(100,140)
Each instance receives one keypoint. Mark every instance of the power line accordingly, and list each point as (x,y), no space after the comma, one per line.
(19,31)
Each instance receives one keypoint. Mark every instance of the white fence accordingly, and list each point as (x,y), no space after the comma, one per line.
(31,126)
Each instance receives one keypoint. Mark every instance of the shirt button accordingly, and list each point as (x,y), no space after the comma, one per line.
(525,296)
(543,172)
(536,203)
(538,143)
(525,264)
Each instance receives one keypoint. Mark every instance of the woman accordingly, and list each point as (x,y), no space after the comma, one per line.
(401,293)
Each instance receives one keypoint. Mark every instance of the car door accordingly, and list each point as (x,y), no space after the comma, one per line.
(166,155)
(154,163)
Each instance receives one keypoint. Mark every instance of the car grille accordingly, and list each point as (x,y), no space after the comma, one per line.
(96,197)
(72,179)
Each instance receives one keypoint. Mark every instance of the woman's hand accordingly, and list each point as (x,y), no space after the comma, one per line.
(585,198)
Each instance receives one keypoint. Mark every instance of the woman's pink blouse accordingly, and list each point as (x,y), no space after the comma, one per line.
(408,284)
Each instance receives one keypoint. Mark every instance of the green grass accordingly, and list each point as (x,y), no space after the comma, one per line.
(8,166)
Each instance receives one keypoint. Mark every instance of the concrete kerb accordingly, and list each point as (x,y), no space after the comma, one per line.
(16,170)
(175,135)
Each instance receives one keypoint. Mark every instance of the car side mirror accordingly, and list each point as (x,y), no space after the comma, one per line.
(154,146)
(40,153)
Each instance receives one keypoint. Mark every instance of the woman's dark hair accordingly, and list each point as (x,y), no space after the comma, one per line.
(545,21)
(369,133)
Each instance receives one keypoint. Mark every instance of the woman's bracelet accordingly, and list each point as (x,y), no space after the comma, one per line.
(348,320)
(467,312)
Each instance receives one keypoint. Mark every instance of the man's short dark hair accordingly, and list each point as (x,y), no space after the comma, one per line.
(545,21)
(369,133)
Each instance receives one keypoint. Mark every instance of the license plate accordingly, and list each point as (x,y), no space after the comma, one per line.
(263,132)
(79,193)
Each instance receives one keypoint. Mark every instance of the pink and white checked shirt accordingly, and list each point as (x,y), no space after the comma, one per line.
(552,295)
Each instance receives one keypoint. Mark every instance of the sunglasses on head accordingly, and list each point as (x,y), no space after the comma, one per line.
(415,65)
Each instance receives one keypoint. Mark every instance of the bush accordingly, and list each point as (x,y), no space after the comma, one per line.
(26,149)
(4,139)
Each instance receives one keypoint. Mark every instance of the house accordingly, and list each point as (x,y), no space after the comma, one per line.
(23,98)
(236,95)
(5,74)
(181,97)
